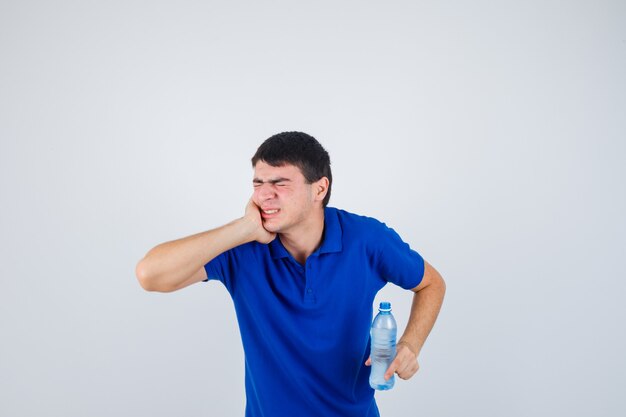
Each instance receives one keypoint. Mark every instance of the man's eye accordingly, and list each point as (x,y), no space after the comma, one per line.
(256,184)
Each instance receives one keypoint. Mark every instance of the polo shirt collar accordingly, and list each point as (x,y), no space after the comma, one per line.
(332,231)
(330,244)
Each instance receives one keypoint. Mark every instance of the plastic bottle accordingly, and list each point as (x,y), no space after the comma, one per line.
(383,347)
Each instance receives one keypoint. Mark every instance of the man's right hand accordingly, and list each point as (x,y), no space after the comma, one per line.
(173,265)
(253,217)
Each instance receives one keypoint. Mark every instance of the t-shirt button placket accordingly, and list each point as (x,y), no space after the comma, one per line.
(308,293)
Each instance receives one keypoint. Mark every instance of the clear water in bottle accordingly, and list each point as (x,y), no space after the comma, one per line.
(383,347)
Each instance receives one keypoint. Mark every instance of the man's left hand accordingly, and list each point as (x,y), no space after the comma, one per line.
(404,364)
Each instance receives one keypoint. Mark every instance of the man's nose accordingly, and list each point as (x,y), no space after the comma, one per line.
(265,191)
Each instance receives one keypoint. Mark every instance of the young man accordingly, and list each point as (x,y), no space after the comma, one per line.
(303,278)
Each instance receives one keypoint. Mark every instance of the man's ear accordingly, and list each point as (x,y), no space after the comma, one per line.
(321,188)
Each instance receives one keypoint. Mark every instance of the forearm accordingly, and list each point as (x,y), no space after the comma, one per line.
(169,264)
(424,311)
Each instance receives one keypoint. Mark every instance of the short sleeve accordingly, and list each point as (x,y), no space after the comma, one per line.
(396,261)
(221,268)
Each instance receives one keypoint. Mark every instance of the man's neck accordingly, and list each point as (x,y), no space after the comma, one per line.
(301,243)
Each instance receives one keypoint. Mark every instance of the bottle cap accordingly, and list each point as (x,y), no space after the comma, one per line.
(385,306)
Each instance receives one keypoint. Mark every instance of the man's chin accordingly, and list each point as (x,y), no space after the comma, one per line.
(270,227)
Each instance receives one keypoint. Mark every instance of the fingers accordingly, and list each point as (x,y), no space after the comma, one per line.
(252,209)
(368,362)
(408,371)
(404,364)
(392,369)
(255,221)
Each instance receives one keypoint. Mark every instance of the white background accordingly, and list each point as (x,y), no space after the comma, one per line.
(490,135)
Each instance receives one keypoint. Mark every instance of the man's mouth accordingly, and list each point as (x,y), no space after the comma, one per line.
(269,213)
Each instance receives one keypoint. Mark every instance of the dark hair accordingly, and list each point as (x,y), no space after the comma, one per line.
(298,149)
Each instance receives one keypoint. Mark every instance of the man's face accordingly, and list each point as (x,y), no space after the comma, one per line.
(282,193)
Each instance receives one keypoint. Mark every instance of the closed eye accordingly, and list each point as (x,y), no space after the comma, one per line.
(281,182)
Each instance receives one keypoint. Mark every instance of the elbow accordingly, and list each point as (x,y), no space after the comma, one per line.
(441,285)
(438,280)
(141,273)
(147,279)
(433,280)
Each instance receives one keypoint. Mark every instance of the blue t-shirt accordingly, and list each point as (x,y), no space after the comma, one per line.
(305,328)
